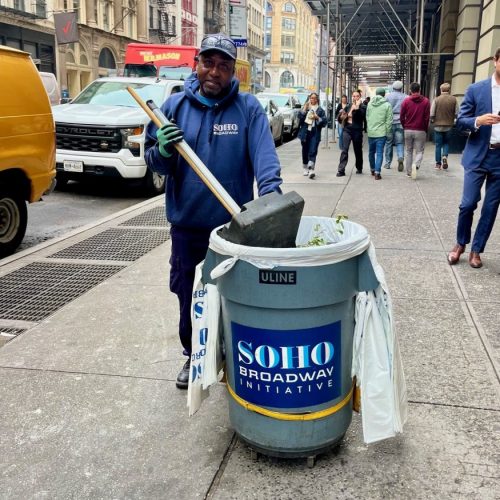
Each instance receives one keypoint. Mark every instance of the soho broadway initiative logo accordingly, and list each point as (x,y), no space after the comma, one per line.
(287,369)
(226,129)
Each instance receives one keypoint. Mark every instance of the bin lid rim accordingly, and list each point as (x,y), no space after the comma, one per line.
(360,237)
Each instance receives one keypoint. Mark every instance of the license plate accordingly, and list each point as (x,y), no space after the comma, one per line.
(73,166)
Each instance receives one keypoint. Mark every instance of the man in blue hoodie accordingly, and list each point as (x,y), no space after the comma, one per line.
(230,133)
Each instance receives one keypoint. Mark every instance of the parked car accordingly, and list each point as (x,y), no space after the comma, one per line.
(301,97)
(289,107)
(51,85)
(27,145)
(101,132)
(275,117)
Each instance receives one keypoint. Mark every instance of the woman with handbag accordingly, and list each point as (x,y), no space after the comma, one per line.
(312,120)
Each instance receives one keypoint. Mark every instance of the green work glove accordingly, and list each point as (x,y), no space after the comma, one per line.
(167,136)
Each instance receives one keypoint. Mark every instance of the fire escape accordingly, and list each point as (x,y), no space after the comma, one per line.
(166,27)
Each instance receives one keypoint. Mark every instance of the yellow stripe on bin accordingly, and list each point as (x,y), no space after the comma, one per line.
(315,415)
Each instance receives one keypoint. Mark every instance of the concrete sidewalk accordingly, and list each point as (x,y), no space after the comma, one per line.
(88,403)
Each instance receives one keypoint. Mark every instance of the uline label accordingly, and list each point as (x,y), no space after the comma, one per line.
(268,277)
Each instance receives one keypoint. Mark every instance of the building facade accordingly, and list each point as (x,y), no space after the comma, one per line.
(27,26)
(291,44)
(469,34)
(255,53)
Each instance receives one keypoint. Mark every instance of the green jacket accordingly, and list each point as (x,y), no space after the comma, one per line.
(379,117)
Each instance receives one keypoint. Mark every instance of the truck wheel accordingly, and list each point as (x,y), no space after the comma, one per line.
(154,183)
(13,221)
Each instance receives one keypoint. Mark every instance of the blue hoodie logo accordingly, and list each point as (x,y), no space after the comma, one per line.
(226,129)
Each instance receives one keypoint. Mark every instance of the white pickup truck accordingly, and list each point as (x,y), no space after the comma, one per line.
(101,132)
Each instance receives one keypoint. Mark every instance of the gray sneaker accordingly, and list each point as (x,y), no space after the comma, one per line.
(401,164)
(387,166)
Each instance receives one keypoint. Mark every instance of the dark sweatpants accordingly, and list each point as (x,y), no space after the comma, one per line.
(356,136)
(189,247)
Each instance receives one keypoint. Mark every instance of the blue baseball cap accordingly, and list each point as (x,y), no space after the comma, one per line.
(220,43)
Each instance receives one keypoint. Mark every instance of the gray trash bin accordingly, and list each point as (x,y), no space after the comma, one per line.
(288,334)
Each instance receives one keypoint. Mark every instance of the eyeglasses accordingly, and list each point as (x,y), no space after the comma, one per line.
(223,67)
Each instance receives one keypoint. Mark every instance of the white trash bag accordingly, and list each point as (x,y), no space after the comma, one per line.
(353,241)
(206,356)
(377,363)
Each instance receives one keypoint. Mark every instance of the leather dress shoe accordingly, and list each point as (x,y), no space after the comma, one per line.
(454,255)
(183,377)
(475,260)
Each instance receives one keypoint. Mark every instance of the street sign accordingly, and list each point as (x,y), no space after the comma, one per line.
(240,42)
(238,21)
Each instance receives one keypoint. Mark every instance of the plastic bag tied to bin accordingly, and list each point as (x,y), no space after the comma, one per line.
(376,358)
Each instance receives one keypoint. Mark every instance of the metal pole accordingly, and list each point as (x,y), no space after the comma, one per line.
(394,26)
(318,83)
(410,59)
(327,67)
(350,20)
(401,22)
(335,83)
(420,41)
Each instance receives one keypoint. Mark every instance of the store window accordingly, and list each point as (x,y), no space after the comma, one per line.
(286,79)
(107,63)
(106,13)
(267,80)
(288,41)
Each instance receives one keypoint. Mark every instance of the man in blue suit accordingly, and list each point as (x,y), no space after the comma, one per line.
(479,115)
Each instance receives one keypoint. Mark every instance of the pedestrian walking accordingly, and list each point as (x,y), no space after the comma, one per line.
(230,133)
(379,127)
(479,115)
(341,106)
(443,113)
(396,138)
(312,121)
(354,120)
(414,116)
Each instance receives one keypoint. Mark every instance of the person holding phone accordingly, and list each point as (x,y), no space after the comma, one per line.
(312,120)
(354,118)
(480,116)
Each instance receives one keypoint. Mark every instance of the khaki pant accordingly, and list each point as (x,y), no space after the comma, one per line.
(414,139)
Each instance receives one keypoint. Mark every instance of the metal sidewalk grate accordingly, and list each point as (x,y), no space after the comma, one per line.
(115,244)
(10,332)
(154,217)
(37,290)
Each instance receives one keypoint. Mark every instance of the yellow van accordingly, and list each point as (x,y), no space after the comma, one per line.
(27,144)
